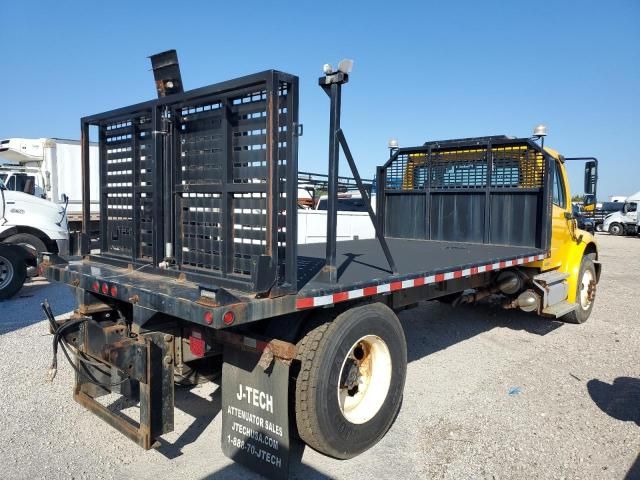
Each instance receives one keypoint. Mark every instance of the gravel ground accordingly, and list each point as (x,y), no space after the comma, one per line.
(490,394)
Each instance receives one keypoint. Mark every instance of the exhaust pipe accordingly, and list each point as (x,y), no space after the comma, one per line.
(509,282)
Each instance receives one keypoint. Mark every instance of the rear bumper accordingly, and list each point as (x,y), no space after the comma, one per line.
(164,294)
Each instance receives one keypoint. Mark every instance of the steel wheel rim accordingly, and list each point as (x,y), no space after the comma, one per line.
(587,289)
(365,378)
(6,272)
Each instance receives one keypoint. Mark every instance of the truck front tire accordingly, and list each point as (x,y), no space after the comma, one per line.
(13,272)
(32,243)
(616,229)
(349,388)
(585,294)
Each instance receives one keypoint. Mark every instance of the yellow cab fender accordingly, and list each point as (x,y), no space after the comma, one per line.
(572,259)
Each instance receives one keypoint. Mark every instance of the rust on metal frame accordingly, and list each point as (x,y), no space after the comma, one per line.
(141,435)
(207,302)
(88,309)
(280,349)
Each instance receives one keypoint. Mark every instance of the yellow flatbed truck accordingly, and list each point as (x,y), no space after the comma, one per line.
(199,264)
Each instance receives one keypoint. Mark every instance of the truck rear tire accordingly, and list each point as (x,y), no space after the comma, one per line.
(349,388)
(13,272)
(585,294)
(616,229)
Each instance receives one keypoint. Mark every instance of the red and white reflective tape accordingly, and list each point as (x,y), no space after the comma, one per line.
(309,302)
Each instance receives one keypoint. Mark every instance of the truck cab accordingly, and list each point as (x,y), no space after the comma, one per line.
(29,226)
(624,221)
(569,244)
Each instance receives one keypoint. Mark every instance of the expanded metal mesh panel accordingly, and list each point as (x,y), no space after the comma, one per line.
(204,140)
(204,180)
(249,230)
(511,167)
(249,136)
(200,222)
(223,147)
(127,167)
(398,177)
(202,149)
(517,166)
(146,226)
(459,169)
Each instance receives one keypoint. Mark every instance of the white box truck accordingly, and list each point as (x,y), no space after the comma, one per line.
(49,168)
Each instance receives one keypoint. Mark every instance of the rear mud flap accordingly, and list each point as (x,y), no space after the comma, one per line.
(255,412)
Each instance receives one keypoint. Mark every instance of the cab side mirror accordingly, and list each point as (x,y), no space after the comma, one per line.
(590,177)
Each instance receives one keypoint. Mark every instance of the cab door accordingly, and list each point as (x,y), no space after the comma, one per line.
(631,213)
(561,227)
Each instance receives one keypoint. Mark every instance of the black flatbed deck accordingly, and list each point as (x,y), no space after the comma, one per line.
(362,271)
(362,262)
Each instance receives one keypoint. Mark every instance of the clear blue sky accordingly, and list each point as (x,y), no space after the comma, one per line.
(423,70)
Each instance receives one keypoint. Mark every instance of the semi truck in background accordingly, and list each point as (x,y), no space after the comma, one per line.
(49,168)
(625,221)
(602,210)
(28,226)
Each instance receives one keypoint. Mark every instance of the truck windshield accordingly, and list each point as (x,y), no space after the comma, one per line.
(612,206)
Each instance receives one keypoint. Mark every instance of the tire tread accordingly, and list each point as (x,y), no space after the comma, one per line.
(305,391)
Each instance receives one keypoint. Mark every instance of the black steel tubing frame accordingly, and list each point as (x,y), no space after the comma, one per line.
(367,200)
(165,186)
(332,86)
(334,91)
